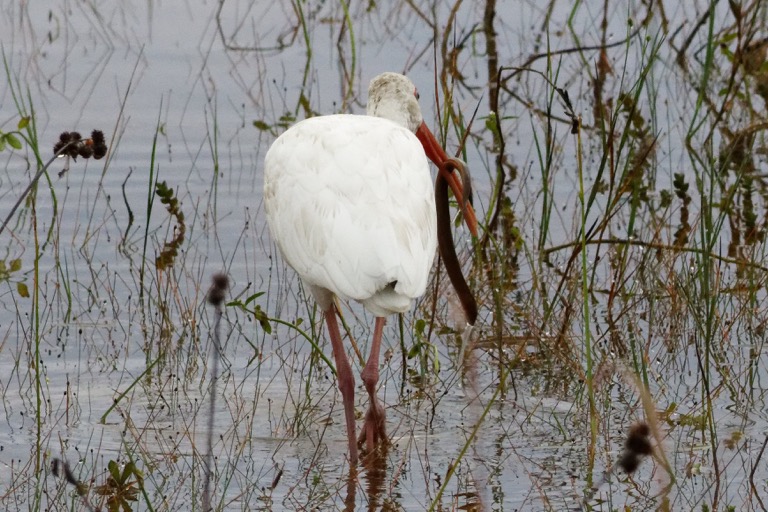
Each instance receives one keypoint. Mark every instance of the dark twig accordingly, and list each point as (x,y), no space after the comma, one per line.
(216,296)
(566,51)
(755,465)
(29,187)
(60,467)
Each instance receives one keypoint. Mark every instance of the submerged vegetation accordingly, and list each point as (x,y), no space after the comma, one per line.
(618,151)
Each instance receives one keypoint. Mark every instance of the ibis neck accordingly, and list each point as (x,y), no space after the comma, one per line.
(445,166)
(448,251)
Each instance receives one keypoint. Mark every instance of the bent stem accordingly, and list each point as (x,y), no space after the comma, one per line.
(32,183)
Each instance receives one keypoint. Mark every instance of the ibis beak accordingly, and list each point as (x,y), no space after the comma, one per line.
(461,186)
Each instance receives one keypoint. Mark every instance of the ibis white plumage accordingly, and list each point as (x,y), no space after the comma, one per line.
(351,207)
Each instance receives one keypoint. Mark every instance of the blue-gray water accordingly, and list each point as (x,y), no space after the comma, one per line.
(188,81)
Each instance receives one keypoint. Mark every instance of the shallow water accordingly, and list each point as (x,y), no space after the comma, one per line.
(189,82)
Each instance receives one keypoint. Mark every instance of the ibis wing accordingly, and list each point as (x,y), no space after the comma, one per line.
(350,204)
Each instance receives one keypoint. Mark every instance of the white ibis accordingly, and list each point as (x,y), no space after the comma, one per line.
(350,205)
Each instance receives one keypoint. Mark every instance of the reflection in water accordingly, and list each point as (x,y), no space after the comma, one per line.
(349,500)
(376,476)
(636,246)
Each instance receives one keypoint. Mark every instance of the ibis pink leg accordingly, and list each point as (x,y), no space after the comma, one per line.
(374,428)
(346,380)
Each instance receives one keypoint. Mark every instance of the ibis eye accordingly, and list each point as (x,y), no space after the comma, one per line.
(416,93)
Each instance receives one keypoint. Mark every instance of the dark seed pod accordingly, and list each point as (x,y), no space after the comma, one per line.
(72,141)
(85,151)
(636,447)
(99,144)
(639,445)
(640,429)
(95,147)
(629,462)
(57,147)
(218,291)
(97,136)
(99,152)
